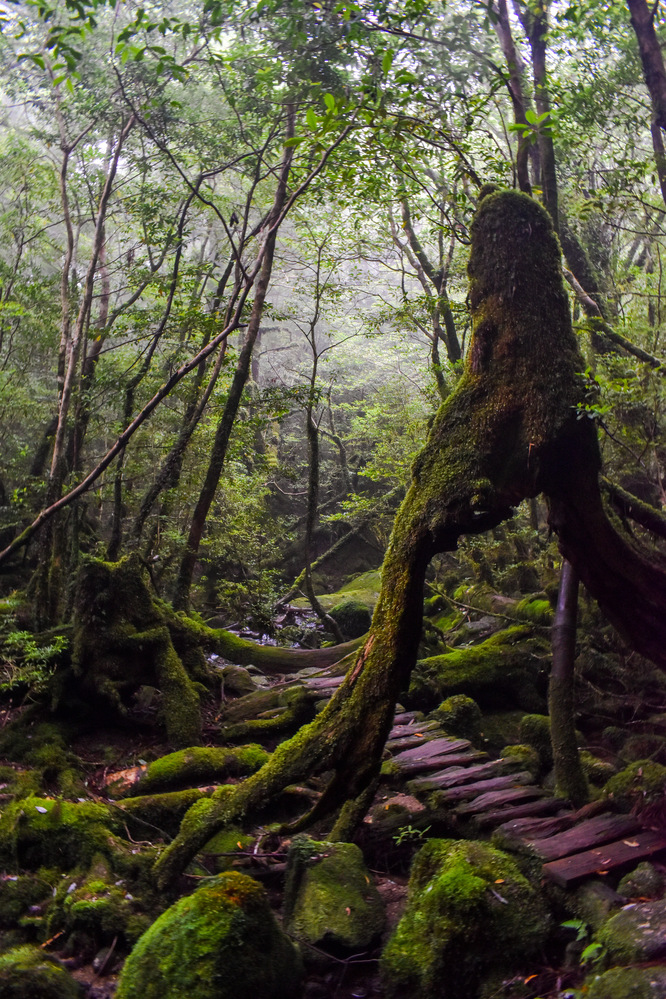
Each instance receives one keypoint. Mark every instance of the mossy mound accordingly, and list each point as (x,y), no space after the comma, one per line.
(535,609)
(524,757)
(18,893)
(508,668)
(199,765)
(640,783)
(461,716)
(636,933)
(352,617)
(28,973)
(93,908)
(330,898)
(37,832)
(163,812)
(222,942)
(535,732)
(43,748)
(469,910)
(643,882)
(627,983)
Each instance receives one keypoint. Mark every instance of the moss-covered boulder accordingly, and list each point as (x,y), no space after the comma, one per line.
(638,785)
(522,757)
(627,983)
(643,882)
(199,765)
(461,716)
(222,942)
(636,933)
(38,832)
(352,617)
(509,668)
(535,732)
(330,898)
(28,973)
(469,911)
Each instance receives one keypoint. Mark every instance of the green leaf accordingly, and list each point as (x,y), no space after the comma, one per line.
(531,117)
(387,61)
(329,101)
(312,120)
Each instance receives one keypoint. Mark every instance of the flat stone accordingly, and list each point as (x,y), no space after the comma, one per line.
(618,983)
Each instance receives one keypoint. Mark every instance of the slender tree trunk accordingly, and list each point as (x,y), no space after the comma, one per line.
(569,777)
(649,47)
(225,426)
(516,68)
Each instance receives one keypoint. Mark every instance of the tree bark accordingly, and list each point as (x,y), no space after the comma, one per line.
(570,780)
(642,21)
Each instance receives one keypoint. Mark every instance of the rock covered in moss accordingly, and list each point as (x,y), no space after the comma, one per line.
(352,617)
(330,897)
(644,881)
(199,765)
(638,784)
(636,933)
(627,983)
(222,942)
(501,670)
(461,716)
(469,910)
(49,831)
(593,902)
(28,973)
(523,757)
(596,770)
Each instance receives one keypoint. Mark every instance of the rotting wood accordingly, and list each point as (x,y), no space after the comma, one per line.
(474,790)
(494,799)
(453,776)
(532,808)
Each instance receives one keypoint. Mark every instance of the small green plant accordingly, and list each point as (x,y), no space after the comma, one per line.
(594,952)
(23,662)
(408,834)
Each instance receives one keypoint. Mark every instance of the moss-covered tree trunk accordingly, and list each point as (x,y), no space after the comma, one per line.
(506,422)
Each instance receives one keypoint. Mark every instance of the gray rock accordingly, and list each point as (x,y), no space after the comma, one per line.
(636,933)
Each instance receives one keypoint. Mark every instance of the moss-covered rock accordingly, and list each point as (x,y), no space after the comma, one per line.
(643,882)
(28,973)
(469,910)
(19,893)
(95,907)
(461,716)
(508,668)
(593,902)
(330,898)
(636,933)
(352,617)
(199,765)
(537,609)
(38,832)
(535,732)
(597,771)
(162,812)
(638,784)
(627,983)
(222,942)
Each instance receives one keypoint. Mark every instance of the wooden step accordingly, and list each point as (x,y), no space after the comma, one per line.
(531,828)
(452,776)
(406,718)
(602,829)
(495,799)
(542,806)
(398,731)
(432,747)
(604,858)
(424,766)
(476,788)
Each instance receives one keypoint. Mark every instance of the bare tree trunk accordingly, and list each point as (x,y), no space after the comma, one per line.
(225,426)
(642,21)
(569,777)
(516,68)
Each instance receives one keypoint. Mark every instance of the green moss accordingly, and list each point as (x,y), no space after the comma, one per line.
(635,933)
(468,908)
(460,716)
(645,881)
(330,898)
(94,907)
(525,758)
(18,893)
(627,983)
(535,609)
(27,973)
(39,832)
(222,942)
(535,732)
(508,667)
(640,782)
(220,850)
(197,765)
(352,617)
(162,812)
(597,771)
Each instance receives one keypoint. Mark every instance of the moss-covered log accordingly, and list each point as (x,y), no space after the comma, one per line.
(501,434)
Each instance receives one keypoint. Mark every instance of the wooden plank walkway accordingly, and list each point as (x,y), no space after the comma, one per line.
(488,794)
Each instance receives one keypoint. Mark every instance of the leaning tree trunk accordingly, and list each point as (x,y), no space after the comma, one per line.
(490,440)
(508,431)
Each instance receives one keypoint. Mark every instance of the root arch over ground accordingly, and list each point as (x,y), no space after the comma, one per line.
(509,431)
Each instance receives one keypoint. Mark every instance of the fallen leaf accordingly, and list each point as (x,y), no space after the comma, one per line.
(500,881)
(630,842)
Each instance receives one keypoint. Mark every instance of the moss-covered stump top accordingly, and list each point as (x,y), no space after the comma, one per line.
(469,910)
(28,973)
(199,765)
(222,942)
(636,933)
(627,983)
(330,897)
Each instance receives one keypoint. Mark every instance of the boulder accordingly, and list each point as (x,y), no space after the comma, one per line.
(28,973)
(636,933)
(627,983)
(221,942)
(469,911)
(330,898)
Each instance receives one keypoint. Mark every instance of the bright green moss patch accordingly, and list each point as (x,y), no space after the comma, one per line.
(162,812)
(535,609)
(469,910)
(330,898)
(222,942)
(28,973)
(37,832)
(507,668)
(352,617)
(641,782)
(198,765)
(461,716)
